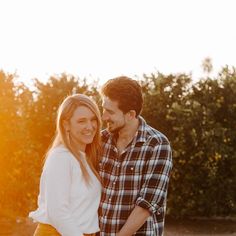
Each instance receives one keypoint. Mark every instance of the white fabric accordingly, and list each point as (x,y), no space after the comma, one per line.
(65,200)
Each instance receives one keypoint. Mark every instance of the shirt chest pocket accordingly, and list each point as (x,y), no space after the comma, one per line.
(131,168)
(131,176)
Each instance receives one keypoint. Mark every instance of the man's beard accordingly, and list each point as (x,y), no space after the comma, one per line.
(117,129)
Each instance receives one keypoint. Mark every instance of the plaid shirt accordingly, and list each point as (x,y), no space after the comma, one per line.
(139,176)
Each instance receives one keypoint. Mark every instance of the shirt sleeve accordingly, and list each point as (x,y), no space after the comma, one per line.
(57,190)
(157,174)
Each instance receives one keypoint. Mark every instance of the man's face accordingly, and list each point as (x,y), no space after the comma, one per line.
(115,118)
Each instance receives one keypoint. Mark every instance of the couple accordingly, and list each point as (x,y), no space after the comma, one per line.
(124,178)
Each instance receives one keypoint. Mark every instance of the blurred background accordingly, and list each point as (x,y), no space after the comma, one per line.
(199,119)
(182,52)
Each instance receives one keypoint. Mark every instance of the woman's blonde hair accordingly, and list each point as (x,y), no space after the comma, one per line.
(65,112)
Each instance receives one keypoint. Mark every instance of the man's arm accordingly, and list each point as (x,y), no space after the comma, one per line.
(153,194)
(136,219)
(154,190)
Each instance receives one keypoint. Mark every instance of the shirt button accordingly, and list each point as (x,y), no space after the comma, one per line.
(114,183)
(109,199)
(132,168)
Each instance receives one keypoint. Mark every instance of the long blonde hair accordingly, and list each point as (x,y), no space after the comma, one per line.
(65,112)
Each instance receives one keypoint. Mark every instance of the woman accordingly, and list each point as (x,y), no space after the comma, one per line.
(70,189)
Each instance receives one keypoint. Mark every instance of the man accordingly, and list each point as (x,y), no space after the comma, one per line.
(135,167)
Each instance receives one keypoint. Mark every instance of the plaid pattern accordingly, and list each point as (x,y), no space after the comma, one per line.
(139,176)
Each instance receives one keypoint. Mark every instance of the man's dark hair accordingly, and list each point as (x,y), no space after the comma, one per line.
(126,91)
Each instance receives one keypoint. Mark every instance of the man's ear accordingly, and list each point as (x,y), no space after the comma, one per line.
(132,114)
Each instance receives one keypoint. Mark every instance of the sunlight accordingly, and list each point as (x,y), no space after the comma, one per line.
(105,39)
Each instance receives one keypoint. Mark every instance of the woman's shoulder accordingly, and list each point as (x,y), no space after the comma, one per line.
(61,149)
(59,154)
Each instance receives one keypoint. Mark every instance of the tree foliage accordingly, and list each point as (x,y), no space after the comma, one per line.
(198,118)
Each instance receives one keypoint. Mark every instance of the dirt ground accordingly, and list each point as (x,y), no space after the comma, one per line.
(25,227)
(200,227)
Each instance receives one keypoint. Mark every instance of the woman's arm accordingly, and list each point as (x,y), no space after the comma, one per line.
(57,173)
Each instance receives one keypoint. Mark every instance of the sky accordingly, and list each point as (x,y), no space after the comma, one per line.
(101,39)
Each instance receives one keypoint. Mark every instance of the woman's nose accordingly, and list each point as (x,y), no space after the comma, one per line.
(89,125)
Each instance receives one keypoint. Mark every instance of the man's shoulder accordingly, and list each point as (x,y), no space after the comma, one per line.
(151,134)
(155,136)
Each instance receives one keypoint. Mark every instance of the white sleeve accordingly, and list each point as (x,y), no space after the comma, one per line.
(57,189)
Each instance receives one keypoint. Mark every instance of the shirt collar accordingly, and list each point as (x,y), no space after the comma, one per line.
(140,135)
(142,131)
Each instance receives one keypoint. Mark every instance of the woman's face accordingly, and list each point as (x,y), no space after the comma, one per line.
(82,126)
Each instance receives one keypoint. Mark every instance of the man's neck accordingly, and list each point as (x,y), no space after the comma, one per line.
(126,135)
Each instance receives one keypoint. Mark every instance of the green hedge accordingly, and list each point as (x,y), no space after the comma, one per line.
(198,118)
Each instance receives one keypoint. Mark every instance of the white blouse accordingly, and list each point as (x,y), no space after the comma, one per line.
(65,200)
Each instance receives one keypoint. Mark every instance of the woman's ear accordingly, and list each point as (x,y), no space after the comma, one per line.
(66,125)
